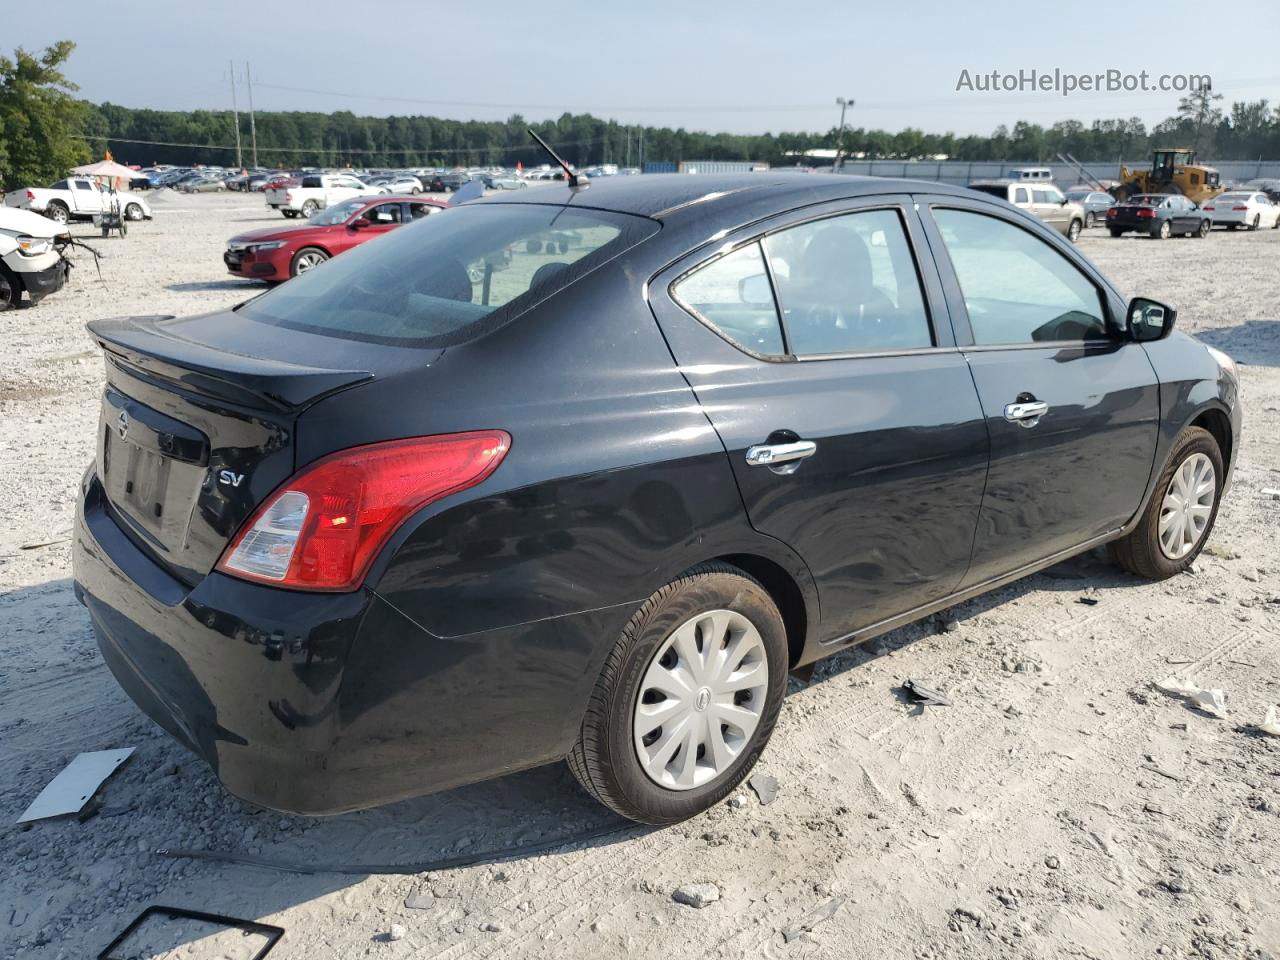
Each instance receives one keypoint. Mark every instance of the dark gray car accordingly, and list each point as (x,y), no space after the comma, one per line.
(1095,204)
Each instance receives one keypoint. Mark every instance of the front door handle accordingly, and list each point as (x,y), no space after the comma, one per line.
(786,455)
(1025,413)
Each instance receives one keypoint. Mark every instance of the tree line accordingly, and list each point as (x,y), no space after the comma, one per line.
(45,128)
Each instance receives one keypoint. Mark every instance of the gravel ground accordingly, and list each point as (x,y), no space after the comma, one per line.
(1060,807)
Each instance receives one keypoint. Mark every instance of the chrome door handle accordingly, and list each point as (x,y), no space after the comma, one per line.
(772,454)
(1026,413)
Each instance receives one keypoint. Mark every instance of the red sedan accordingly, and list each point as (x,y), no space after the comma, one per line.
(275,254)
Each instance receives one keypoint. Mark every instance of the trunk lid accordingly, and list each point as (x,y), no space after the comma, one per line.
(193,435)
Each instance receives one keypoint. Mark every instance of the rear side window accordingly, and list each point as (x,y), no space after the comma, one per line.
(452,276)
(1018,289)
(842,285)
(849,285)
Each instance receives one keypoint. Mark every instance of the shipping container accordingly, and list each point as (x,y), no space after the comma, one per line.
(659,166)
(721,166)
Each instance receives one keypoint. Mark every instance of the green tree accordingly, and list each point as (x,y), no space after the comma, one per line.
(38,117)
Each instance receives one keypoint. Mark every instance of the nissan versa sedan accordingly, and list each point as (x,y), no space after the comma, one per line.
(464,502)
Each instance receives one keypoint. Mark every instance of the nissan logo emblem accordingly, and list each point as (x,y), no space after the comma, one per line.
(122,427)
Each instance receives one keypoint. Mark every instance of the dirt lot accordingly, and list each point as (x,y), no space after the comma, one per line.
(1060,807)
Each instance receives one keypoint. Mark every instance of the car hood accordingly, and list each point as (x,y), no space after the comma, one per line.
(268,234)
(26,223)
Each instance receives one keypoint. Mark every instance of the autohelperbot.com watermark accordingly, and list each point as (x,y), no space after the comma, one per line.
(1066,83)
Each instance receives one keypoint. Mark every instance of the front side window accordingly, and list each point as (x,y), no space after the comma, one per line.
(450,277)
(1017,288)
(1021,196)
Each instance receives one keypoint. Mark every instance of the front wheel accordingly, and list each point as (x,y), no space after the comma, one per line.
(1089,220)
(10,289)
(687,699)
(57,212)
(1204,229)
(308,258)
(1073,231)
(133,212)
(1183,507)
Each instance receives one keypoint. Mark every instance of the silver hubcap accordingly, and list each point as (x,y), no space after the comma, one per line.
(1187,506)
(309,260)
(58,214)
(701,700)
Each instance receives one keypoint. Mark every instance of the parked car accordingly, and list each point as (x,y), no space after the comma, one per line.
(1044,200)
(315,191)
(403,528)
(203,185)
(403,183)
(76,198)
(450,182)
(1094,203)
(1249,209)
(278,253)
(1161,215)
(31,260)
(496,181)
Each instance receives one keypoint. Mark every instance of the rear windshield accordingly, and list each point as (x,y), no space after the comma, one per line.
(995,189)
(451,277)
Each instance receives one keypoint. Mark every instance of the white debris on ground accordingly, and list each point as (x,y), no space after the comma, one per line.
(1059,807)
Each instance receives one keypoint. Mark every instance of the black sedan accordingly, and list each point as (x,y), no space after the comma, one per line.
(1160,215)
(463,502)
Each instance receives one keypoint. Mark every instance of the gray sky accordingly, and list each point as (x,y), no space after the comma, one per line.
(742,66)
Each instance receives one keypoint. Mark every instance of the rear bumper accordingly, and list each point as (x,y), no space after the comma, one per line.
(318,703)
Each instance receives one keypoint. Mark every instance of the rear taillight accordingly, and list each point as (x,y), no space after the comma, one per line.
(1146,213)
(1246,209)
(1208,207)
(30,195)
(322,529)
(1112,212)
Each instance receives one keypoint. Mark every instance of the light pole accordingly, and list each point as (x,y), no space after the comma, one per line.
(845,103)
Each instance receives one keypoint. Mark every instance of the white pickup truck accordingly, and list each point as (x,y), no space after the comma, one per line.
(315,192)
(76,198)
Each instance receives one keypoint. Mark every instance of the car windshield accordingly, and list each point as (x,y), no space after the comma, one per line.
(338,213)
(1233,197)
(450,277)
(1153,200)
(995,189)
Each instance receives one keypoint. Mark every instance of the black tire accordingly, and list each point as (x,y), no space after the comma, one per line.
(1115,231)
(1073,230)
(1233,226)
(289,214)
(604,759)
(1205,227)
(1275,224)
(133,212)
(57,212)
(10,289)
(309,209)
(1257,221)
(1090,219)
(302,260)
(1139,551)
(1163,231)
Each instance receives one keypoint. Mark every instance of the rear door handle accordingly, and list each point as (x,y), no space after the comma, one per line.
(1025,413)
(774,454)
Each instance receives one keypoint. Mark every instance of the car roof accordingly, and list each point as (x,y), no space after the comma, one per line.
(671,196)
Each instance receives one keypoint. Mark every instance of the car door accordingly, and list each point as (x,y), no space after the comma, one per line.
(86,197)
(1072,407)
(821,351)
(1047,206)
(1021,197)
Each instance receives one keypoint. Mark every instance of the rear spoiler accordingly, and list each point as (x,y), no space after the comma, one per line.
(144,345)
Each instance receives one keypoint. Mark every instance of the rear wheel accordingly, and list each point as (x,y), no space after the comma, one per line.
(1257,221)
(1233,226)
(308,258)
(1089,220)
(309,209)
(1177,521)
(1163,232)
(1115,231)
(289,214)
(1204,229)
(687,699)
(57,211)
(1073,231)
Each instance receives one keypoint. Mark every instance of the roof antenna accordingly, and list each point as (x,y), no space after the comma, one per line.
(575,179)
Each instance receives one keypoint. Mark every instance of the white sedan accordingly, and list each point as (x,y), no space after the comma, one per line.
(1253,211)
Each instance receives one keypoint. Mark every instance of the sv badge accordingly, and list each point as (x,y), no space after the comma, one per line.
(230,478)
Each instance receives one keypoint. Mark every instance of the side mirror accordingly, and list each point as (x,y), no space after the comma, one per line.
(1149,320)
(755,290)
(1063,202)
(359,223)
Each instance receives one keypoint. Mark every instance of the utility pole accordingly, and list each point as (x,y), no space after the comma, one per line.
(235,111)
(253,127)
(845,103)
